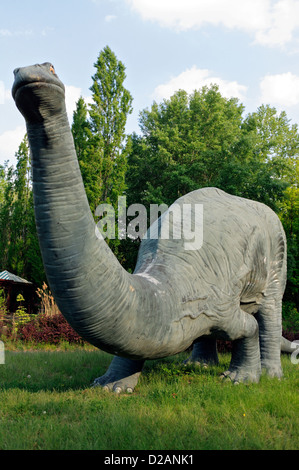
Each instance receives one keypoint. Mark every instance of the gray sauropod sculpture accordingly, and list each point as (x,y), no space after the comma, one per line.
(230,287)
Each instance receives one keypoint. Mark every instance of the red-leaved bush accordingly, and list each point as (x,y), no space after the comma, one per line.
(49,329)
(290,335)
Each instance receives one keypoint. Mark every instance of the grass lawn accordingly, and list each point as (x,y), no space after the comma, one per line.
(46,403)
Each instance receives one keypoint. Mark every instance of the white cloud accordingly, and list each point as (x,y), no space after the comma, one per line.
(109,18)
(72,94)
(9,144)
(271,22)
(5,94)
(285,21)
(47,30)
(281,90)
(194,79)
(9,33)
(5,32)
(189,14)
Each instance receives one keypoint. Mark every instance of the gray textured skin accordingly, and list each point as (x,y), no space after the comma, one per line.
(231,288)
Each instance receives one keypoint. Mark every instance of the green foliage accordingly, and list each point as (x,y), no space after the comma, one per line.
(82,139)
(19,247)
(2,183)
(202,140)
(5,217)
(289,215)
(99,134)
(185,142)
(290,317)
(20,317)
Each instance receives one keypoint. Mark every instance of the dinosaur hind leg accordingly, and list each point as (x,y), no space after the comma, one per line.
(269,314)
(245,363)
(269,320)
(204,352)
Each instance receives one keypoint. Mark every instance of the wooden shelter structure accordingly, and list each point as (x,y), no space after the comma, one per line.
(13,286)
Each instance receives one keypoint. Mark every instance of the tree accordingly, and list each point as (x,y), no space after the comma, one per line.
(186,144)
(99,135)
(202,140)
(81,129)
(289,215)
(5,216)
(108,115)
(19,248)
(19,212)
(2,183)
(82,135)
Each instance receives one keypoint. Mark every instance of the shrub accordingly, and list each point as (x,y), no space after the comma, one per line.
(48,326)
(49,329)
(20,317)
(290,321)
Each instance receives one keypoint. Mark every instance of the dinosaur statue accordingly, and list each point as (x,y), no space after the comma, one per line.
(231,287)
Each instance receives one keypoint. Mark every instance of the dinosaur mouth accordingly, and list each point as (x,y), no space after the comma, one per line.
(21,86)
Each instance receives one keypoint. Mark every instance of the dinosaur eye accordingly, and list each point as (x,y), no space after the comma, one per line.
(52,69)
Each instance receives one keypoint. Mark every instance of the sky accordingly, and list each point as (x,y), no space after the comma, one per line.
(250,48)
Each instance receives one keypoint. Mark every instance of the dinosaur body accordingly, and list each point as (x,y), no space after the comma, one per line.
(230,287)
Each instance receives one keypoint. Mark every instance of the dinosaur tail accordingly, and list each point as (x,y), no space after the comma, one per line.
(288,346)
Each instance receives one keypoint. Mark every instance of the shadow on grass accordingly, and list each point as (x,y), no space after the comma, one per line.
(61,371)
(58,371)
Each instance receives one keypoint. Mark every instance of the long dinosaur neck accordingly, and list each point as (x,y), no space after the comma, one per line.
(78,265)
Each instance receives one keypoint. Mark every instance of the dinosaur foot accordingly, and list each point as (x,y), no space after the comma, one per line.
(198,363)
(121,376)
(204,353)
(272,369)
(239,375)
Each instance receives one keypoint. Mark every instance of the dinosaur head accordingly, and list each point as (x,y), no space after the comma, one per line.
(38,92)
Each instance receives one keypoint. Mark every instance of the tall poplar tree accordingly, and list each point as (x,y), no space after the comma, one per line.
(112,103)
(99,132)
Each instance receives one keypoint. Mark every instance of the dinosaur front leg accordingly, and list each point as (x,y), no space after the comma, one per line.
(121,376)
(245,362)
(204,352)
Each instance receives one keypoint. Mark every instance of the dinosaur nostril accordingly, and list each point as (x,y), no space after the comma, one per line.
(16,71)
(52,69)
